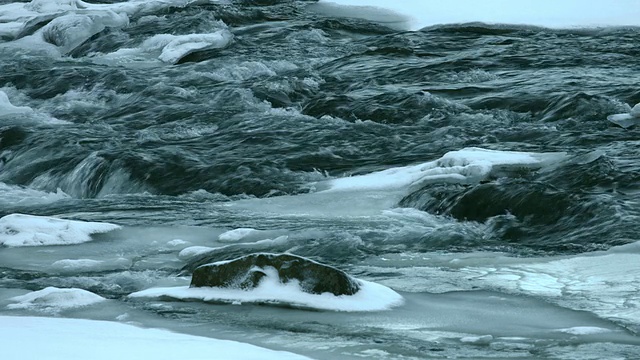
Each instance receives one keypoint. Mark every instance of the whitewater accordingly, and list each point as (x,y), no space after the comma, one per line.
(469,169)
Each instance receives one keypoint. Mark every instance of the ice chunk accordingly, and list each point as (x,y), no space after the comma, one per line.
(370,297)
(29,230)
(68,31)
(176,47)
(461,166)
(626,120)
(193,251)
(53,299)
(63,339)
(236,234)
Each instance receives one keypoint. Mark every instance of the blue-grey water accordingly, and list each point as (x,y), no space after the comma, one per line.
(237,135)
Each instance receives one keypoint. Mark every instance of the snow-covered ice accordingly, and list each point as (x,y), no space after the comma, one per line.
(53,299)
(64,339)
(30,230)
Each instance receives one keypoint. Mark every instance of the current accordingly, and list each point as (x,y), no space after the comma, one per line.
(463,163)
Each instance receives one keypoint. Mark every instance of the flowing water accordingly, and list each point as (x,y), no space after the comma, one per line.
(109,120)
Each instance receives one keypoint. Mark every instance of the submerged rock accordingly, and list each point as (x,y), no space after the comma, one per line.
(248,271)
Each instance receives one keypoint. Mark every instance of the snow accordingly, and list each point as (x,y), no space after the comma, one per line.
(53,299)
(236,234)
(370,297)
(64,339)
(546,13)
(29,230)
(461,166)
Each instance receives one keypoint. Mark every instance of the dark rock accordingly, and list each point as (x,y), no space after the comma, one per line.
(247,272)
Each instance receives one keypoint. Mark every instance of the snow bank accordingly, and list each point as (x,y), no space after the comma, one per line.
(29,230)
(53,299)
(370,297)
(461,166)
(63,339)
(547,13)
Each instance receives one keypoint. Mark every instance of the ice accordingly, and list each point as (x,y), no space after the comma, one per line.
(193,251)
(28,230)
(547,13)
(626,120)
(370,297)
(176,47)
(68,31)
(64,339)
(53,299)
(236,234)
(468,165)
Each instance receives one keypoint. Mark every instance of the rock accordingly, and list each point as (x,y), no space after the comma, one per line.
(247,272)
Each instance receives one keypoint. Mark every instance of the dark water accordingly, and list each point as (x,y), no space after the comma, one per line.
(298,97)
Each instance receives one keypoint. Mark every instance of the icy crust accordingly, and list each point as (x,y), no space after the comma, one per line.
(370,297)
(468,165)
(29,230)
(63,339)
(53,300)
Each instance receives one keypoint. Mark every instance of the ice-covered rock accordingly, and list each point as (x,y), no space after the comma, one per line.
(236,234)
(30,230)
(282,280)
(247,272)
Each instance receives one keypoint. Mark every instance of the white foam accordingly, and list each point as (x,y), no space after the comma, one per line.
(53,299)
(13,195)
(547,13)
(6,107)
(28,230)
(463,166)
(236,234)
(63,339)
(370,297)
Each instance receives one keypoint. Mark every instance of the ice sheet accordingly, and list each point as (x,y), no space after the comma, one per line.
(29,230)
(64,339)
(547,13)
